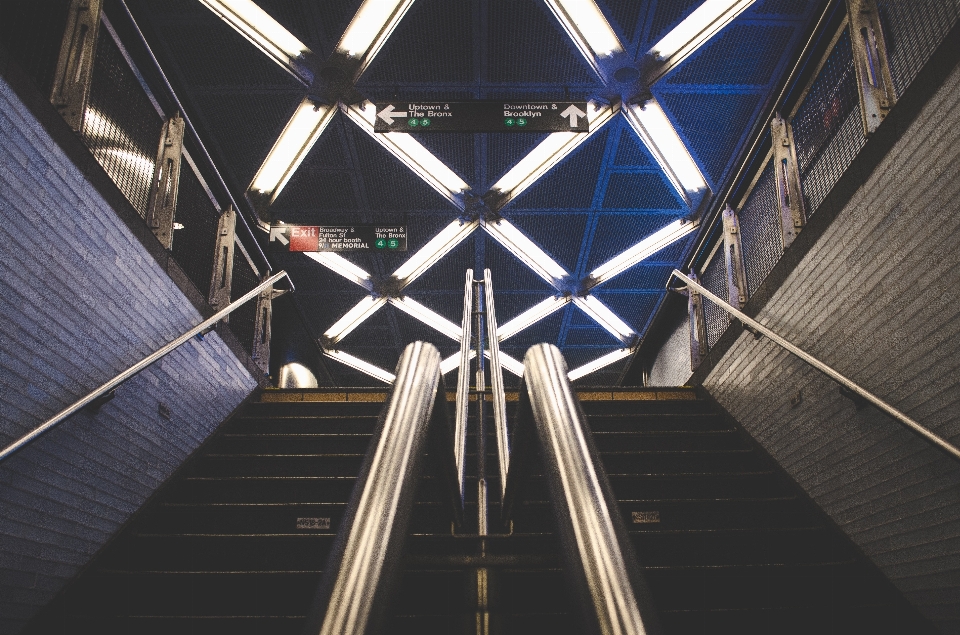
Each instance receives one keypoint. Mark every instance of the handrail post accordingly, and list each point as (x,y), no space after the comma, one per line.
(598,555)
(365,557)
(463,383)
(694,286)
(496,384)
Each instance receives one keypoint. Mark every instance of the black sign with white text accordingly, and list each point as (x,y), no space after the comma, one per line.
(339,237)
(482,116)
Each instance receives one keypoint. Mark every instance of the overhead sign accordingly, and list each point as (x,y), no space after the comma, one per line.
(482,116)
(340,237)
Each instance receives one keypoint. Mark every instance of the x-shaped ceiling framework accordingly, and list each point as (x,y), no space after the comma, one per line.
(330,85)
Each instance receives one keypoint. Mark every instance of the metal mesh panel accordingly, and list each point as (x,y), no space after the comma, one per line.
(760,233)
(31,32)
(193,245)
(913,30)
(827,128)
(120,125)
(714,278)
(243,320)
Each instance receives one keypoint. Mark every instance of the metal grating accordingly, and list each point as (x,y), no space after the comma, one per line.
(640,190)
(760,232)
(831,105)
(715,280)
(194,244)
(758,48)
(242,321)
(120,125)
(569,185)
(542,228)
(913,30)
(31,33)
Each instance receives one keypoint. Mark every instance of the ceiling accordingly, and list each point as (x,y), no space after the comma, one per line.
(603,197)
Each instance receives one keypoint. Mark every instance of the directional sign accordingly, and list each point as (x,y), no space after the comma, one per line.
(339,237)
(482,116)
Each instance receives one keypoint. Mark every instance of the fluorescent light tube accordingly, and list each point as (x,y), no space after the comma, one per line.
(453,362)
(606,318)
(448,238)
(352,319)
(371,26)
(547,154)
(588,28)
(406,148)
(264,32)
(701,25)
(364,367)
(597,364)
(642,250)
(507,363)
(338,264)
(301,132)
(507,234)
(428,317)
(654,128)
(532,315)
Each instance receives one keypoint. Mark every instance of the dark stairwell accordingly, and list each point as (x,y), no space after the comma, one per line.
(237,540)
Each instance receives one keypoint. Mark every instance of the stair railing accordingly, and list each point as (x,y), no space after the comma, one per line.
(364,561)
(499,397)
(829,372)
(146,361)
(597,553)
(463,383)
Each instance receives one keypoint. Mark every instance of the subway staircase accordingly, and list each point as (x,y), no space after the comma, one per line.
(237,540)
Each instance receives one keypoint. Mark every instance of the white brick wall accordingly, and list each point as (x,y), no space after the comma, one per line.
(81,299)
(876,298)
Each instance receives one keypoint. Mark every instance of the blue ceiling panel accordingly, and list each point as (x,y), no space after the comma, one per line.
(758,49)
(630,152)
(456,150)
(509,305)
(786,8)
(607,376)
(546,330)
(376,330)
(421,228)
(432,44)
(617,232)
(560,234)
(449,275)
(413,330)
(505,150)
(590,336)
(312,190)
(307,22)
(642,276)
(623,15)
(577,356)
(641,190)
(509,274)
(392,186)
(527,44)
(633,308)
(569,185)
(712,124)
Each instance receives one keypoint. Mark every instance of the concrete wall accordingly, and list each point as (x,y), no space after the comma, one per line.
(82,298)
(877,296)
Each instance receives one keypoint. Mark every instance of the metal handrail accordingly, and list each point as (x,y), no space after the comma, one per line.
(463,383)
(356,585)
(829,372)
(496,385)
(597,551)
(136,368)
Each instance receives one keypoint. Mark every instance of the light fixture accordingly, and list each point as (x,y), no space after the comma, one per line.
(438,246)
(406,148)
(654,128)
(642,250)
(701,25)
(264,32)
(364,367)
(296,375)
(352,319)
(299,135)
(338,264)
(597,364)
(606,318)
(427,316)
(514,241)
(548,153)
(507,363)
(369,29)
(532,315)
(588,28)
(453,362)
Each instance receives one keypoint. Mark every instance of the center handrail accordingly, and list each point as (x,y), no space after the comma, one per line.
(463,383)
(146,361)
(828,371)
(496,384)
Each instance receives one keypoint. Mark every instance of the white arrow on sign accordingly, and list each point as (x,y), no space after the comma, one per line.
(573,113)
(388,114)
(279,233)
